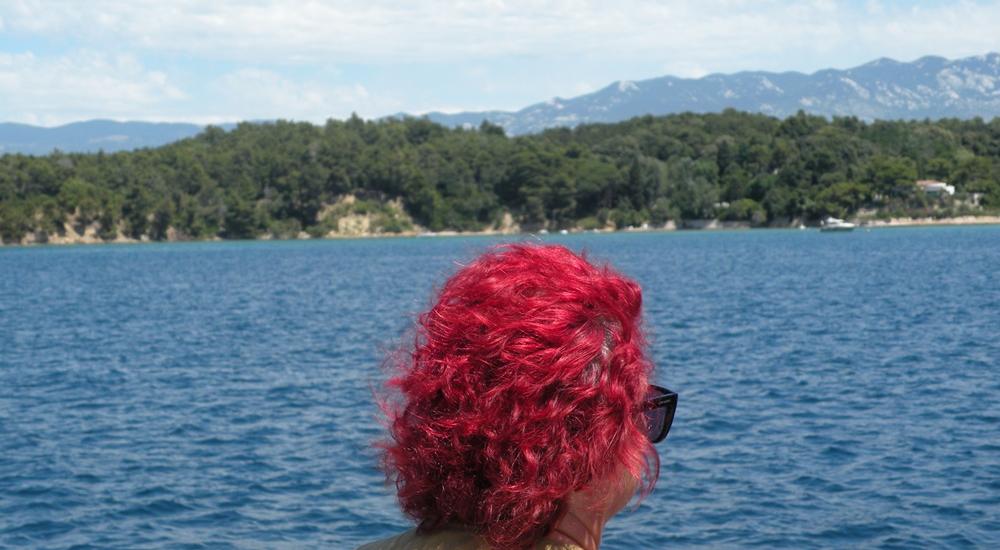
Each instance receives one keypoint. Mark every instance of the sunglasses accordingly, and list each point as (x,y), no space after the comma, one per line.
(659,409)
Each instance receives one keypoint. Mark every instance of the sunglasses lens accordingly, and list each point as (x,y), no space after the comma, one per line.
(655,423)
(660,412)
(668,419)
(655,417)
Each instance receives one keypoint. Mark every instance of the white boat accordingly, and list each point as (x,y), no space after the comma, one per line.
(836,224)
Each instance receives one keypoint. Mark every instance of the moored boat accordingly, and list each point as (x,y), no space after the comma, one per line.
(836,224)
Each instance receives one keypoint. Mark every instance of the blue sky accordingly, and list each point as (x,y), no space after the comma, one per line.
(229,60)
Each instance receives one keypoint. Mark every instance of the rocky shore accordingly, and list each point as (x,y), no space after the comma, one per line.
(354,227)
(910,222)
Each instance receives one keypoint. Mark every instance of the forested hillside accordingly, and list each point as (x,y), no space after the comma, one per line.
(284,178)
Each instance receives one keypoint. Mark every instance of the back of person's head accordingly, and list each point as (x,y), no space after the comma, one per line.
(523,385)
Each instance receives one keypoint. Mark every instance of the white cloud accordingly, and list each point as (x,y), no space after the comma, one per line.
(874,7)
(449,109)
(581,88)
(51,90)
(311,59)
(685,69)
(712,33)
(257,93)
(55,90)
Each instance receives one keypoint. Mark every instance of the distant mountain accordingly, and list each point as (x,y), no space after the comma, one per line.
(92,136)
(930,87)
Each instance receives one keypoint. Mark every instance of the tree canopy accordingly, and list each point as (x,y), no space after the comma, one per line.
(280,178)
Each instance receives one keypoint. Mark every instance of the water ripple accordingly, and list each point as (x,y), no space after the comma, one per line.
(836,391)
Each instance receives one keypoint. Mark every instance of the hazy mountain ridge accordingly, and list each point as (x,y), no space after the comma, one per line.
(930,87)
(93,135)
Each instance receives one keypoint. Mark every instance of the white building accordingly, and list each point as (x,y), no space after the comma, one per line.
(933,187)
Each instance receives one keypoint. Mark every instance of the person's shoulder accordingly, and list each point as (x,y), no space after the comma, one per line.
(439,540)
(547,544)
(448,539)
(397,542)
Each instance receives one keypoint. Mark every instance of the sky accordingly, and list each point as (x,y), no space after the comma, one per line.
(228,60)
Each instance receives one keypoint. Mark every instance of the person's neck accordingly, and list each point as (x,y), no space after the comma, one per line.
(581,528)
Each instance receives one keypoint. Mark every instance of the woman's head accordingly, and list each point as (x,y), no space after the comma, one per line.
(523,386)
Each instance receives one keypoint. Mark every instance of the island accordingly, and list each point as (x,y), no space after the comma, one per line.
(410,176)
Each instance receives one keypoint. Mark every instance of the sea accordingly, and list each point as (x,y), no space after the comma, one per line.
(836,390)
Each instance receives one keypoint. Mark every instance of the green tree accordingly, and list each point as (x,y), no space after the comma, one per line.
(892,176)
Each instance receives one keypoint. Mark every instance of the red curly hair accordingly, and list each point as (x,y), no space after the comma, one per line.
(524,384)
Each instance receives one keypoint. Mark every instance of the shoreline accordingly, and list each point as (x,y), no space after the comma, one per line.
(928,221)
(692,226)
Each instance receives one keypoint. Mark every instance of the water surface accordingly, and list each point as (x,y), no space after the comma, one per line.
(836,390)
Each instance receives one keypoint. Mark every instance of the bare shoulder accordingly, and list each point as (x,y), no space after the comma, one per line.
(448,539)
(441,540)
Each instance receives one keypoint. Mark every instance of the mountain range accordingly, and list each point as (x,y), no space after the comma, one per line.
(93,135)
(930,87)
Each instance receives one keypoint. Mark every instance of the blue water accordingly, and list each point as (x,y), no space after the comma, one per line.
(836,390)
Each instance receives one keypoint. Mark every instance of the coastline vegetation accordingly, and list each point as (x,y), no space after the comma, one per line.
(293,179)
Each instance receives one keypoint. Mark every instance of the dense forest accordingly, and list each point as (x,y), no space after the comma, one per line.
(283,178)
